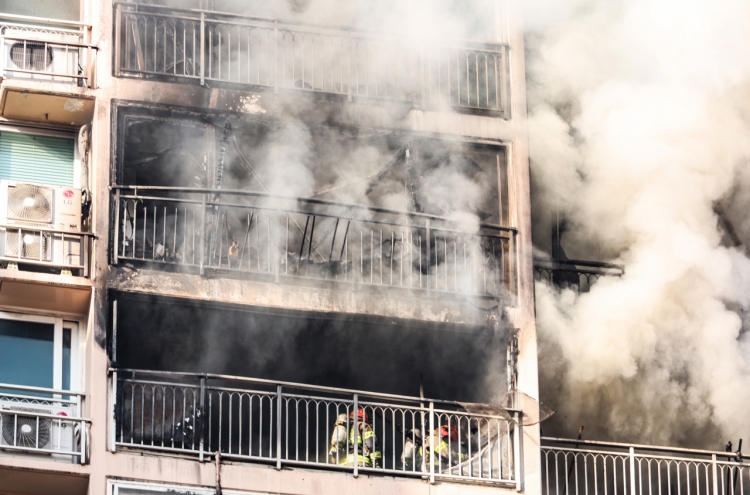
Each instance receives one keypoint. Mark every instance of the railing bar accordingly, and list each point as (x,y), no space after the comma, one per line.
(286,250)
(268,245)
(437,268)
(381,256)
(361,257)
(455,263)
(245,239)
(250,429)
(333,242)
(445,258)
(302,244)
(153,237)
(391,256)
(153,411)
(174,237)
(420,260)
(401,260)
(229,439)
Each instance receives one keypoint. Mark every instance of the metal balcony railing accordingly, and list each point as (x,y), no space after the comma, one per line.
(208,46)
(43,247)
(281,237)
(290,424)
(577,275)
(46,50)
(43,421)
(577,467)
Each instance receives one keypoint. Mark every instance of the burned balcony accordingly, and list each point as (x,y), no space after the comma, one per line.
(199,46)
(46,50)
(291,424)
(286,238)
(576,275)
(282,203)
(263,385)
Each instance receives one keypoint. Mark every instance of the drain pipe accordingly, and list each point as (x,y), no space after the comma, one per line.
(217,457)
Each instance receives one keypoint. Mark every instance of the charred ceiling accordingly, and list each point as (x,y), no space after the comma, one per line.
(368,353)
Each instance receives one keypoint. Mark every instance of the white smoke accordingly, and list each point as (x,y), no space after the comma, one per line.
(638,125)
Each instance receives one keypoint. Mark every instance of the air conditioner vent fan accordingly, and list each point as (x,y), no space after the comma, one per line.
(30,203)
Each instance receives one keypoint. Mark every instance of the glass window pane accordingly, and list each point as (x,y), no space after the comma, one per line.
(26,353)
(68,10)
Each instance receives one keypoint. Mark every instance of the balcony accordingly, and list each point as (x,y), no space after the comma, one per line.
(44,249)
(43,423)
(578,467)
(46,50)
(576,275)
(207,47)
(290,424)
(284,239)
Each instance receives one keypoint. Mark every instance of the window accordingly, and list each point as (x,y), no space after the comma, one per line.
(38,351)
(37,158)
(139,488)
(67,10)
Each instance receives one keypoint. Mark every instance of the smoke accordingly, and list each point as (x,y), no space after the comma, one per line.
(638,127)
(310,141)
(317,144)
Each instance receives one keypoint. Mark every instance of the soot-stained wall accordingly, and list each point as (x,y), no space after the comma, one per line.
(366,353)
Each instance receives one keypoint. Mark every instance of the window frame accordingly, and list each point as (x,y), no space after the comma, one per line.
(115,486)
(59,325)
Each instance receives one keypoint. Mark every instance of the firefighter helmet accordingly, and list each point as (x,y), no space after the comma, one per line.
(449,431)
(361,414)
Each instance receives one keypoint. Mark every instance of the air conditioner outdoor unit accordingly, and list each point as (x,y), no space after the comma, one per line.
(43,53)
(22,427)
(43,207)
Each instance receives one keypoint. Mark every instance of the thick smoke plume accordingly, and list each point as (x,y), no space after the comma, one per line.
(638,135)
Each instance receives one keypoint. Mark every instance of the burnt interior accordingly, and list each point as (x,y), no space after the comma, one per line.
(343,164)
(456,362)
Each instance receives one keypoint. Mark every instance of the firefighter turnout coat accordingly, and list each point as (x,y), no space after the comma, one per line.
(343,451)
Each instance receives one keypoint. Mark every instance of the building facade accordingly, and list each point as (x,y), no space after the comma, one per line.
(247,254)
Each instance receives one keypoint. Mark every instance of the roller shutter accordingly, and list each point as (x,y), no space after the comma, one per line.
(37,159)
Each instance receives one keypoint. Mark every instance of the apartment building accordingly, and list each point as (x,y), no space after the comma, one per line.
(229,237)
(248,253)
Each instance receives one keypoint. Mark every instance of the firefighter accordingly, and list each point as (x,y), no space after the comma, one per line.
(444,444)
(411,457)
(343,451)
(446,448)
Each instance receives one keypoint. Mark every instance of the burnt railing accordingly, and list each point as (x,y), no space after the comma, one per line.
(577,467)
(44,422)
(577,275)
(46,248)
(46,50)
(291,424)
(290,238)
(201,46)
